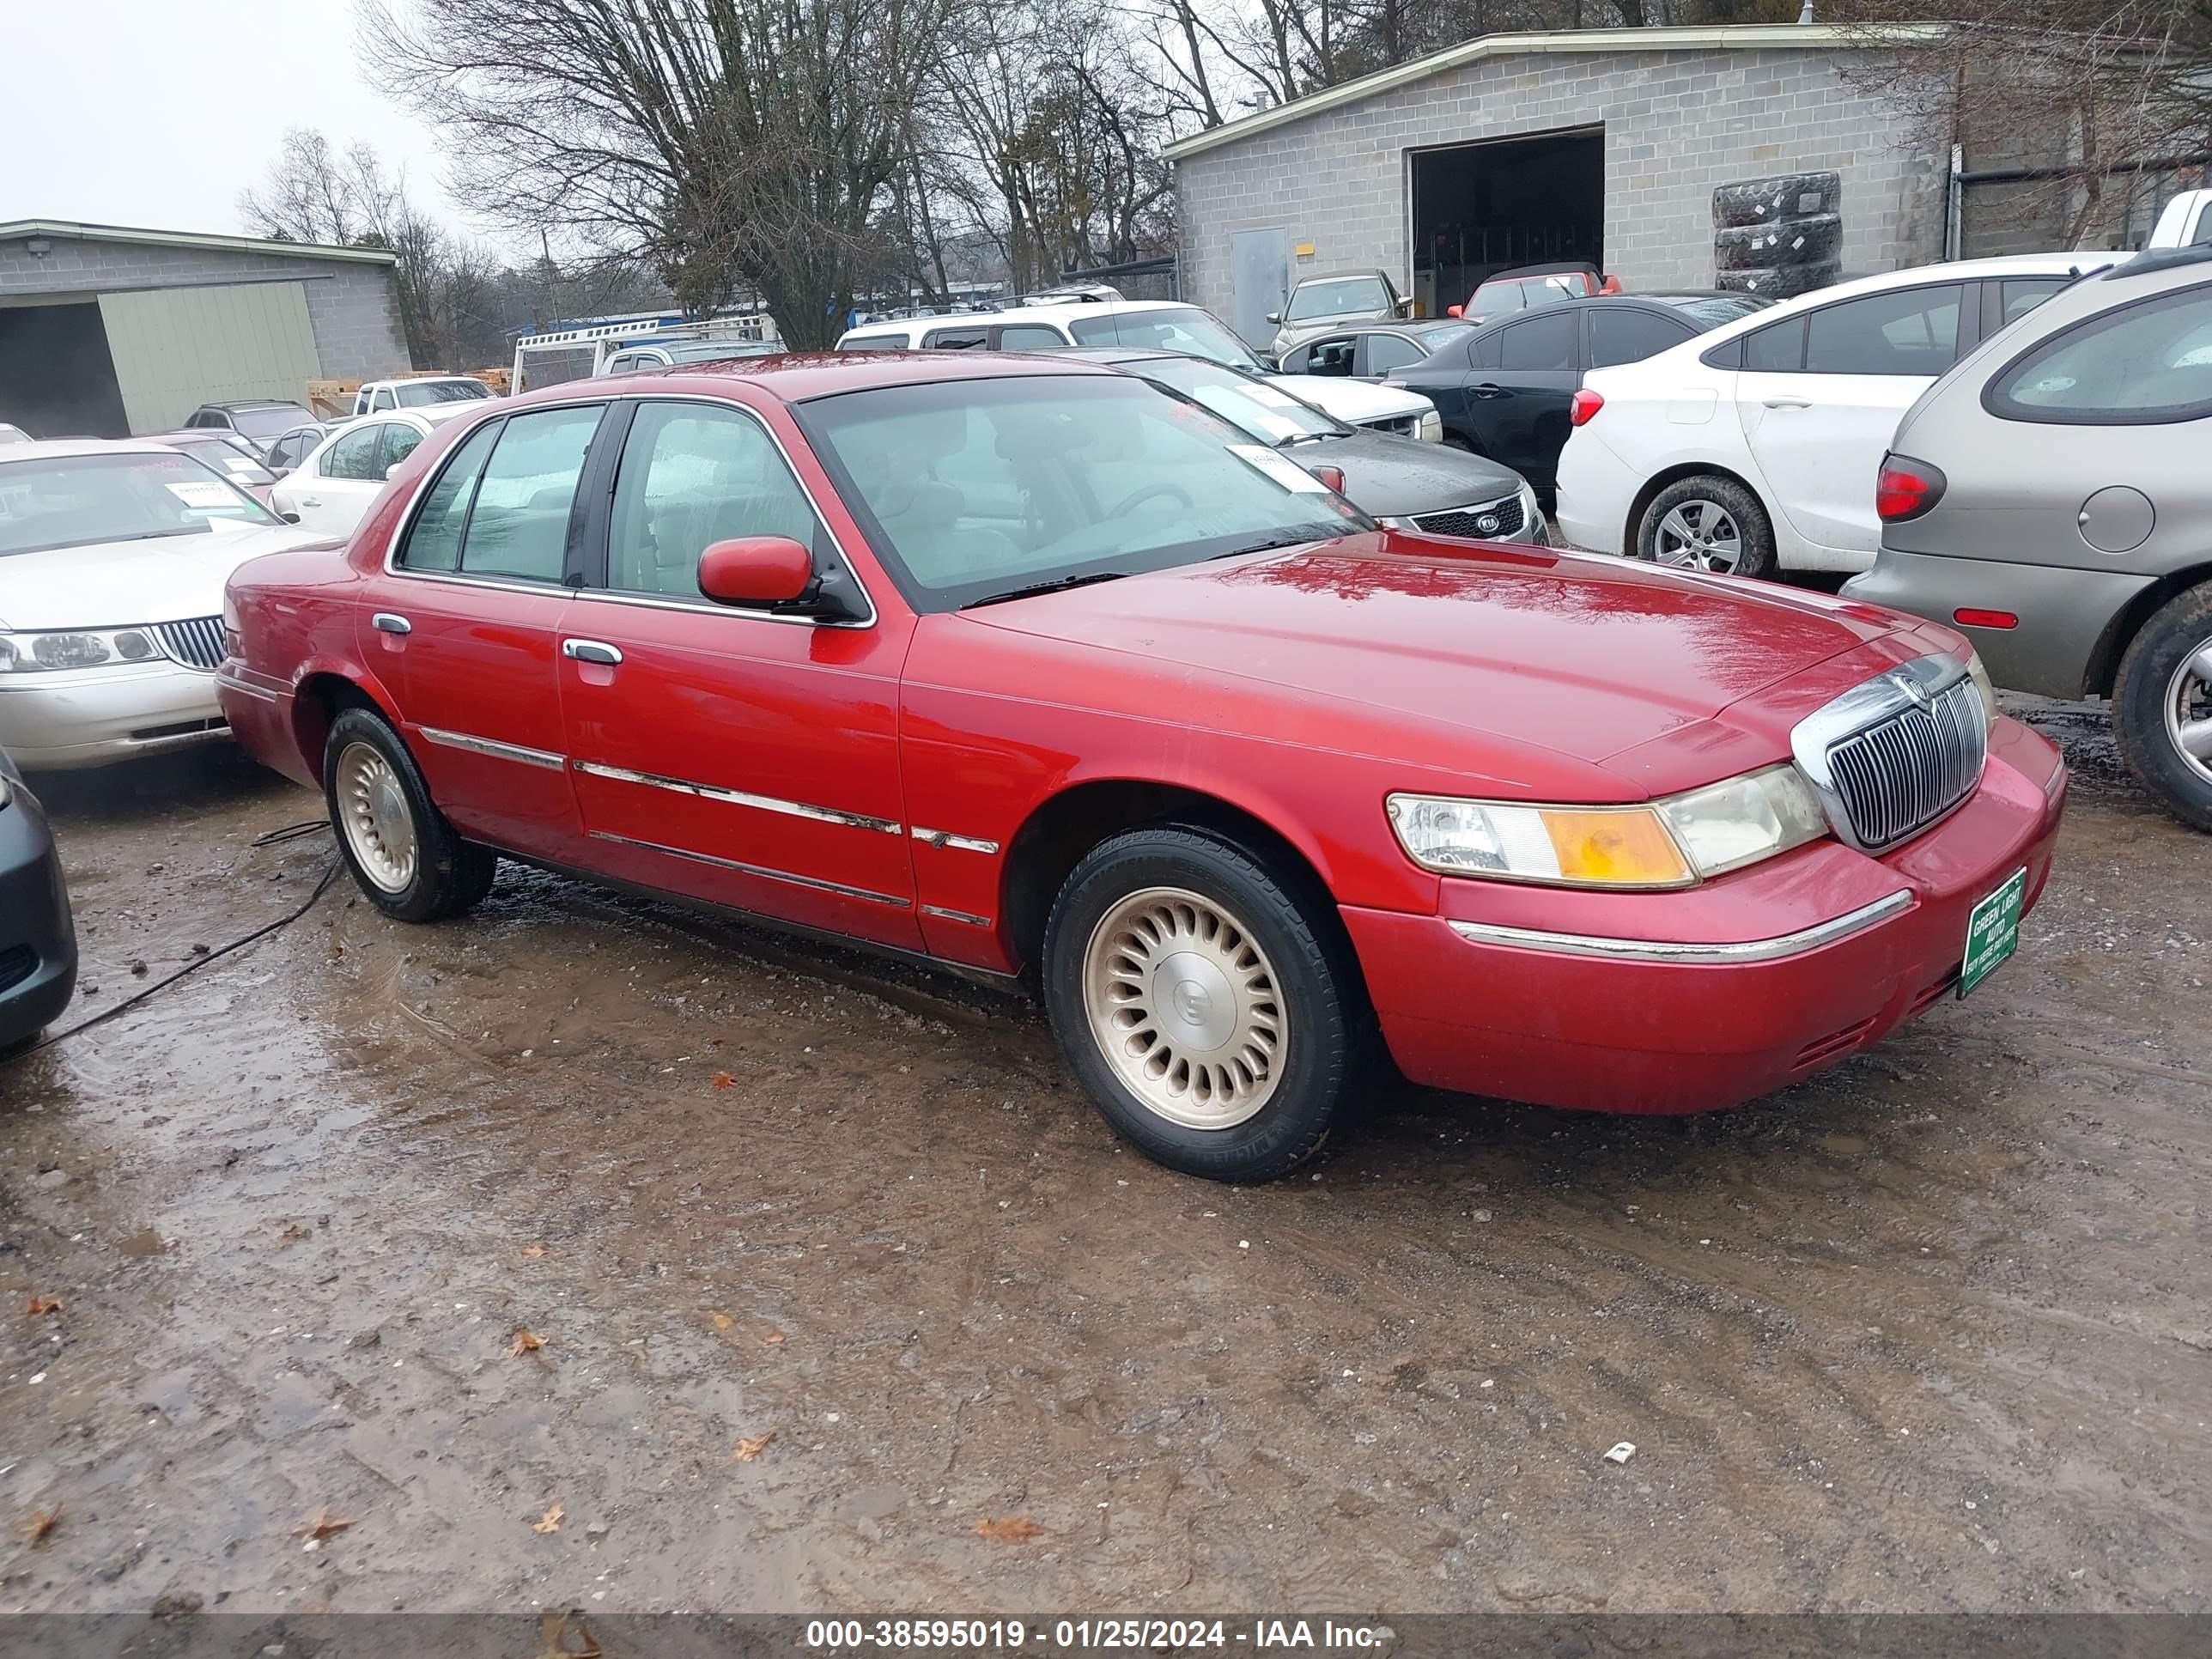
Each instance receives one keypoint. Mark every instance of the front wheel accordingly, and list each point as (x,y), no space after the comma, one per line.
(2162,706)
(1213,1020)
(400,848)
(1707,523)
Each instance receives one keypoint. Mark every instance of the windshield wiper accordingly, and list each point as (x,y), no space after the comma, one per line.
(1058,584)
(1270,544)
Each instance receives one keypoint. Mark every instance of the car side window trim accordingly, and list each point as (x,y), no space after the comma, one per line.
(594,584)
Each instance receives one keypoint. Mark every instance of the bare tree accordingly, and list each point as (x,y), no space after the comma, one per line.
(737,143)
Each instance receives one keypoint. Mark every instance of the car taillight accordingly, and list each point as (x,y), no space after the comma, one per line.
(1587,403)
(1906,489)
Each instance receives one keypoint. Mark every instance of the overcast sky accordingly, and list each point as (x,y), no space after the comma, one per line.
(156,113)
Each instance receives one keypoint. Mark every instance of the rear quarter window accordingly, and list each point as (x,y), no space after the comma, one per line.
(2145,364)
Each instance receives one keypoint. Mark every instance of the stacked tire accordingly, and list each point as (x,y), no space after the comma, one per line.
(1780,236)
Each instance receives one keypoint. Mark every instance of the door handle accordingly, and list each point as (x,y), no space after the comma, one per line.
(1790,403)
(591,651)
(310,501)
(385,623)
(1488,389)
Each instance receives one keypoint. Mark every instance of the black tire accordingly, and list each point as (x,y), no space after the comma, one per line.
(1817,240)
(1315,978)
(2177,631)
(1763,201)
(1465,445)
(449,875)
(1755,531)
(1780,282)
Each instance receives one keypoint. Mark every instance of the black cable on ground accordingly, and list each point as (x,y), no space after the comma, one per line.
(290,832)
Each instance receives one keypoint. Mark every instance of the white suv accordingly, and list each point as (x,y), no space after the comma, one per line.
(1754,447)
(1159,325)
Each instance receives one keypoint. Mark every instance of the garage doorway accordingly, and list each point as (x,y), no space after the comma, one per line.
(1487,207)
(56,378)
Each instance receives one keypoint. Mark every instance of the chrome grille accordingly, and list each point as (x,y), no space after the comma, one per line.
(1901,774)
(197,643)
(1500,517)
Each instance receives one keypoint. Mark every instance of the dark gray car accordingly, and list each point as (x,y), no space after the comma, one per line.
(38,945)
(2052,496)
(1401,480)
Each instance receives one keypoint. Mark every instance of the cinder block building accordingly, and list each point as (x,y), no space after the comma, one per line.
(106,331)
(1603,145)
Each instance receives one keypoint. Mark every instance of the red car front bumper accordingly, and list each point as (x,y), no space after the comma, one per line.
(1586,1020)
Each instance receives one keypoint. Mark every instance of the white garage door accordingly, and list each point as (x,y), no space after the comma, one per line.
(177,348)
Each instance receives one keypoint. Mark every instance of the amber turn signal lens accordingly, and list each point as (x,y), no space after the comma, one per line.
(1615,849)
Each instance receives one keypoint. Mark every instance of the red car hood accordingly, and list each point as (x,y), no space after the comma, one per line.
(1582,655)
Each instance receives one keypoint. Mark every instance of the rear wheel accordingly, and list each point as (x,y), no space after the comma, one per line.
(1213,1020)
(1707,523)
(400,847)
(2162,706)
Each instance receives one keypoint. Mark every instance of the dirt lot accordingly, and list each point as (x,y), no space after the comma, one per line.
(1930,1333)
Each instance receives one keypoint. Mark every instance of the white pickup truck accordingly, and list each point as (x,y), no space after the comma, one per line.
(2187,221)
(418,392)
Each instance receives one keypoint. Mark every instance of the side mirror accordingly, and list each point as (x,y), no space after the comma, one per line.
(1454,311)
(1331,475)
(279,473)
(755,570)
(392,471)
(289,518)
(1276,317)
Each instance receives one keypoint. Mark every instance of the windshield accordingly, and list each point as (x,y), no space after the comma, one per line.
(1343,297)
(714,352)
(415,394)
(272,423)
(1179,328)
(1267,412)
(75,501)
(227,458)
(973,489)
(1711,311)
(1523,293)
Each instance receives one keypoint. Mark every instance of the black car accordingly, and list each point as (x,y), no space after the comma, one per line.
(1506,389)
(259,421)
(38,941)
(1402,481)
(1368,351)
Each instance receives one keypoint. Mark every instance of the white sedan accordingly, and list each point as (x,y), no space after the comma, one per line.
(331,488)
(1754,447)
(112,561)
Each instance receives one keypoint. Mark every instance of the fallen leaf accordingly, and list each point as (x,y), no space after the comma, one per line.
(41,1525)
(724,1080)
(1008,1529)
(714,1042)
(553,1630)
(323,1524)
(722,1320)
(749,1449)
(772,1337)
(293,1233)
(532,1252)
(42,1304)
(525,1341)
(548,1522)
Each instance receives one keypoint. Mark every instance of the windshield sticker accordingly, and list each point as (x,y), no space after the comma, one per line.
(203,495)
(1289,474)
(1224,403)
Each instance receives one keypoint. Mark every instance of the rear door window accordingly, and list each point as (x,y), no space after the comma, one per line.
(1541,343)
(1030,337)
(955,339)
(1332,356)
(354,456)
(519,525)
(1912,331)
(1623,336)
(2146,364)
(1778,349)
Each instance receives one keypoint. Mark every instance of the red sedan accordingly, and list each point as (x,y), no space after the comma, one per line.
(1029,667)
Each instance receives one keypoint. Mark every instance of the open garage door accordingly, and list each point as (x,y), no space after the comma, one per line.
(177,348)
(1487,207)
(56,378)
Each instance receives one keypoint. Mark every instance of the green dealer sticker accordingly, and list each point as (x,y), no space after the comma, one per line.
(1992,931)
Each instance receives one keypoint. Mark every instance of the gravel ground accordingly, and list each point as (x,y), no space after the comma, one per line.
(831,1269)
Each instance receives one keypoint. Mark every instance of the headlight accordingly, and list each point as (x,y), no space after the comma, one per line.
(6,790)
(45,653)
(1431,429)
(1532,515)
(1675,842)
(1980,675)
